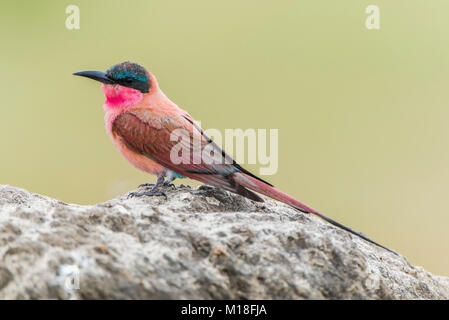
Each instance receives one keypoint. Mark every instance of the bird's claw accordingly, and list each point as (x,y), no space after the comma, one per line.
(147,193)
(143,185)
(168,184)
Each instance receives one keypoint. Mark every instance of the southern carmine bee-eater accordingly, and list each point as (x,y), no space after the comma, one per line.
(142,121)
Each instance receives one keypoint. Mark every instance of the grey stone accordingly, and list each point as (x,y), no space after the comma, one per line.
(199,243)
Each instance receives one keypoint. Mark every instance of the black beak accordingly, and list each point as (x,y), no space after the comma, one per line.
(95,75)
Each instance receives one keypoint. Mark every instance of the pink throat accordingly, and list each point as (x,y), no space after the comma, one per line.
(120,97)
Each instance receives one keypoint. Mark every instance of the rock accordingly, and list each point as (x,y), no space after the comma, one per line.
(195,244)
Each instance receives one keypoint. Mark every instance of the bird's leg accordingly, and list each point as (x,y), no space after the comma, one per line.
(170,178)
(169,181)
(153,191)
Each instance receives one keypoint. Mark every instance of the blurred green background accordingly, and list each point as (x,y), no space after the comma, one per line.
(362,114)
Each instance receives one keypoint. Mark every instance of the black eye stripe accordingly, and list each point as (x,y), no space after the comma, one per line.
(135,84)
(126,81)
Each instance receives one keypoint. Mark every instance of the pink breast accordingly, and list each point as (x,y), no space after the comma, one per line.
(118,97)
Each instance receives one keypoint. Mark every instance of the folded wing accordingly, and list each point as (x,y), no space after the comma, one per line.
(179,144)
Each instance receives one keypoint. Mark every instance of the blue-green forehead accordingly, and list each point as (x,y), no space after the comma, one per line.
(121,74)
(124,71)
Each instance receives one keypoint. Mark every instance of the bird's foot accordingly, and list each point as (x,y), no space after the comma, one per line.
(147,193)
(153,191)
(143,185)
(168,184)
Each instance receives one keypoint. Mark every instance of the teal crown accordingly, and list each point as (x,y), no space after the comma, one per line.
(131,75)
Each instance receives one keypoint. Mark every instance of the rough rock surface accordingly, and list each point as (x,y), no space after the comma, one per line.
(200,244)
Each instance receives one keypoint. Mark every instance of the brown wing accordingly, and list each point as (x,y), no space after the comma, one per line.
(173,142)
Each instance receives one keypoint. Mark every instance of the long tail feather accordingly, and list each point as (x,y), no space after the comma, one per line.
(269,191)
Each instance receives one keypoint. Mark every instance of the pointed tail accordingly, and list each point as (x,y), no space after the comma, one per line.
(269,191)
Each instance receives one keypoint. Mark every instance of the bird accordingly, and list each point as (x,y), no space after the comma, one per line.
(158,137)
